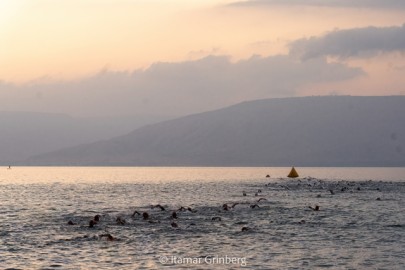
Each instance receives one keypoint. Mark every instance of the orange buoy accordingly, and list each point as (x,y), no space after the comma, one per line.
(293,173)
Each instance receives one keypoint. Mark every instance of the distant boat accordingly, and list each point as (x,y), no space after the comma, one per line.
(293,173)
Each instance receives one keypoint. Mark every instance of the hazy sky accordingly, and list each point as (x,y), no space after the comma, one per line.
(103,57)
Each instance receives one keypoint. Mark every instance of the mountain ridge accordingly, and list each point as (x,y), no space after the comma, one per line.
(302,131)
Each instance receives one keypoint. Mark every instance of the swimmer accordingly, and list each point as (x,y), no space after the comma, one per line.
(96,218)
(145,215)
(135,213)
(159,206)
(316,208)
(108,236)
(244,193)
(92,223)
(174,215)
(191,224)
(174,224)
(261,199)
(216,219)
(331,192)
(120,221)
(254,206)
(187,209)
(245,229)
(71,223)
(226,207)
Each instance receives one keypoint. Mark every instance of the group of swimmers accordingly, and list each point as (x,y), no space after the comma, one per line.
(145,216)
(174,215)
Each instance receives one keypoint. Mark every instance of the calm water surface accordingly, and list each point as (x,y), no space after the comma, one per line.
(360,226)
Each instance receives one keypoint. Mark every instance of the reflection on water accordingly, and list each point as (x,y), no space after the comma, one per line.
(172,174)
(360,224)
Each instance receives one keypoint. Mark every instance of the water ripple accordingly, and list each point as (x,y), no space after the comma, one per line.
(353,229)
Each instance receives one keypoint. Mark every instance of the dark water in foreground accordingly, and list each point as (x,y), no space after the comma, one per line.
(352,229)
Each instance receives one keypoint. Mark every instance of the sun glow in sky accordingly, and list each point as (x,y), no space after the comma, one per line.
(43,41)
(72,37)
(69,38)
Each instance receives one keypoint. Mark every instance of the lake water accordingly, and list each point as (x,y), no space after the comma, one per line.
(360,223)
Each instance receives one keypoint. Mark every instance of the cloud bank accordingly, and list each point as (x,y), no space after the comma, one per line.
(174,89)
(351,42)
(389,4)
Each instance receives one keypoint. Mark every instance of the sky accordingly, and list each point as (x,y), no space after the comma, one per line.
(172,58)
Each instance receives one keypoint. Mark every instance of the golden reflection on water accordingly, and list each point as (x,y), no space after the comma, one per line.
(179,174)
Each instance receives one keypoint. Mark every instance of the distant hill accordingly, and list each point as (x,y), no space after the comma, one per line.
(308,131)
(24,134)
